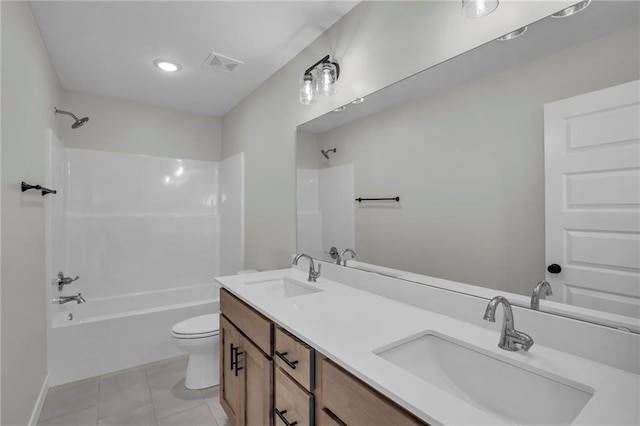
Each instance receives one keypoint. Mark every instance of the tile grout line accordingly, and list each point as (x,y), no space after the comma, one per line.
(146,375)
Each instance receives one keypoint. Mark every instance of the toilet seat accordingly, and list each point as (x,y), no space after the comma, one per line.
(199,327)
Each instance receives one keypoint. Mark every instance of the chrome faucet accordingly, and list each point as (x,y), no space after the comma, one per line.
(62,280)
(312,269)
(333,252)
(543,286)
(345,251)
(510,338)
(65,299)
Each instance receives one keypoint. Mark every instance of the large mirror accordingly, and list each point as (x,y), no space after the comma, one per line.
(462,145)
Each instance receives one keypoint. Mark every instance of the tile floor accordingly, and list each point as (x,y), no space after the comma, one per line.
(150,395)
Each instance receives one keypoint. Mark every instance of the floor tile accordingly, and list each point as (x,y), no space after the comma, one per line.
(70,398)
(198,416)
(123,391)
(212,396)
(168,392)
(141,416)
(179,361)
(88,417)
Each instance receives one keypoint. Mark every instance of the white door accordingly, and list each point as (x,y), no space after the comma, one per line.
(592,187)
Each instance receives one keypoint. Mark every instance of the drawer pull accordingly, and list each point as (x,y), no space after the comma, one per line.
(283,356)
(234,359)
(283,418)
(333,417)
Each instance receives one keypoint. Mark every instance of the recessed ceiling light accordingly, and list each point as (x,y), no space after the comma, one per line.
(166,65)
(340,109)
(358,101)
(572,10)
(513,34)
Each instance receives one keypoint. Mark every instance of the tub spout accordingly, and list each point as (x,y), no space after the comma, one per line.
(65,299)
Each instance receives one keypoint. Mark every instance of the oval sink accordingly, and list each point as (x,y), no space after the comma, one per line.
(514,393)
(283,287)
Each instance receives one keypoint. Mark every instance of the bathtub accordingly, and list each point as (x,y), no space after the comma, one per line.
(114,333)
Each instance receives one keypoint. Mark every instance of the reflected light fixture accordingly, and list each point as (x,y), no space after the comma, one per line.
(572,10)
(478,8)
(166,65)
(319,79)
(513,34)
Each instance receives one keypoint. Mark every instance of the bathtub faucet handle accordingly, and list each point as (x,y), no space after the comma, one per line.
(62,280)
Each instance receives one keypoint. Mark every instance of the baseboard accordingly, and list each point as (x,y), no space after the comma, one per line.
(35,415)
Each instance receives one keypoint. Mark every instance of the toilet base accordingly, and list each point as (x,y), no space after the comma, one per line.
(203,370)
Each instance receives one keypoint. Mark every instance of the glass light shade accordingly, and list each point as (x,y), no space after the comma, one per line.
(308,94)
(572,10)
(327,76)
(478,8)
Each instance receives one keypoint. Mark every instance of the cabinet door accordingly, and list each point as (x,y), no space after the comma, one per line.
(231,374)
(258,385)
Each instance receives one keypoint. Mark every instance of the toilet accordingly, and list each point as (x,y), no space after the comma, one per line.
(199,336)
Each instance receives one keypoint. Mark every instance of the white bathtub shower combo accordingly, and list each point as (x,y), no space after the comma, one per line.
(144,234)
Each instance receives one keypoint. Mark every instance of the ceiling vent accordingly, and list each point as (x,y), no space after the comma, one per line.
(221,62)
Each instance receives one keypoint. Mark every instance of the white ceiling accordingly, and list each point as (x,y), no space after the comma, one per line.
(107,47)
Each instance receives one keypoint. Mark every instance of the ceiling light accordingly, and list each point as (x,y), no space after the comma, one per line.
(513,34)
(319,79)
(358,101)
(166,65)
(340,109)
(572,10)
(478,8)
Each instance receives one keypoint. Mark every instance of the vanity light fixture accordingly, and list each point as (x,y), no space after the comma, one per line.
(513,34)
(478,8)
(319,79)
(166,65)
(572,10)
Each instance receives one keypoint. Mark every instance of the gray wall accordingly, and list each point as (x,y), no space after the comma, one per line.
(123,126)
(377,43)
(30,89)
(469,167)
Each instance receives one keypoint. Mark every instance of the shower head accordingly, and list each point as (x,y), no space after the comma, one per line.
(78,121)
(326,153)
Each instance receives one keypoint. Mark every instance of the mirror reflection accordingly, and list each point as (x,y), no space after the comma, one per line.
(463,147)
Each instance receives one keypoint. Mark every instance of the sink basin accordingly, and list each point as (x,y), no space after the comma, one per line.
(283,288)
(516,394)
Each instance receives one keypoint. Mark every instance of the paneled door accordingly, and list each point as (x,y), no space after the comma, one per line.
(592,196)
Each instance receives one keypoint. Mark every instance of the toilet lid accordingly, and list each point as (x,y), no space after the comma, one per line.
(204,324)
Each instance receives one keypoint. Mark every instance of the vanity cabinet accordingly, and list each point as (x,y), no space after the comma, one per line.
(342,399)
(270,377)
(246,366)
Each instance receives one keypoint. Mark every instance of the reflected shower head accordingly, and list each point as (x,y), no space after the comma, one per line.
(78,121)
(326,153)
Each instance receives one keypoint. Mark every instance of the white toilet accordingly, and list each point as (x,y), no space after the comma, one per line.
(199,337)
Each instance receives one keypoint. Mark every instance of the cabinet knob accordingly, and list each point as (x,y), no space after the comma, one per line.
(554,268)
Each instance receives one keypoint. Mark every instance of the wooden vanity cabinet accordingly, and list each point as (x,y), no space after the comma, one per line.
(301,387)
(246,369)
(342,399)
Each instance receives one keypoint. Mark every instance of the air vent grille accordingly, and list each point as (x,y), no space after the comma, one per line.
(221,62)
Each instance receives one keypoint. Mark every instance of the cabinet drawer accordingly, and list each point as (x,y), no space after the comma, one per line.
(292,403)
(253,325)
(355,403)
(296,358)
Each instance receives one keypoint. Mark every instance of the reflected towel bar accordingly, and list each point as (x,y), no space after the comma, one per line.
(25,187)
(378,199)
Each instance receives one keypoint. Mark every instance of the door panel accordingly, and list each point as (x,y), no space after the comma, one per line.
(592,190)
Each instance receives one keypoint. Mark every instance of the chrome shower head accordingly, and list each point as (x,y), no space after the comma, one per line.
(78,121)
(326,153)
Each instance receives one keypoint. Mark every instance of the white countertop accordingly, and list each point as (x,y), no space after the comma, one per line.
(347,324)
